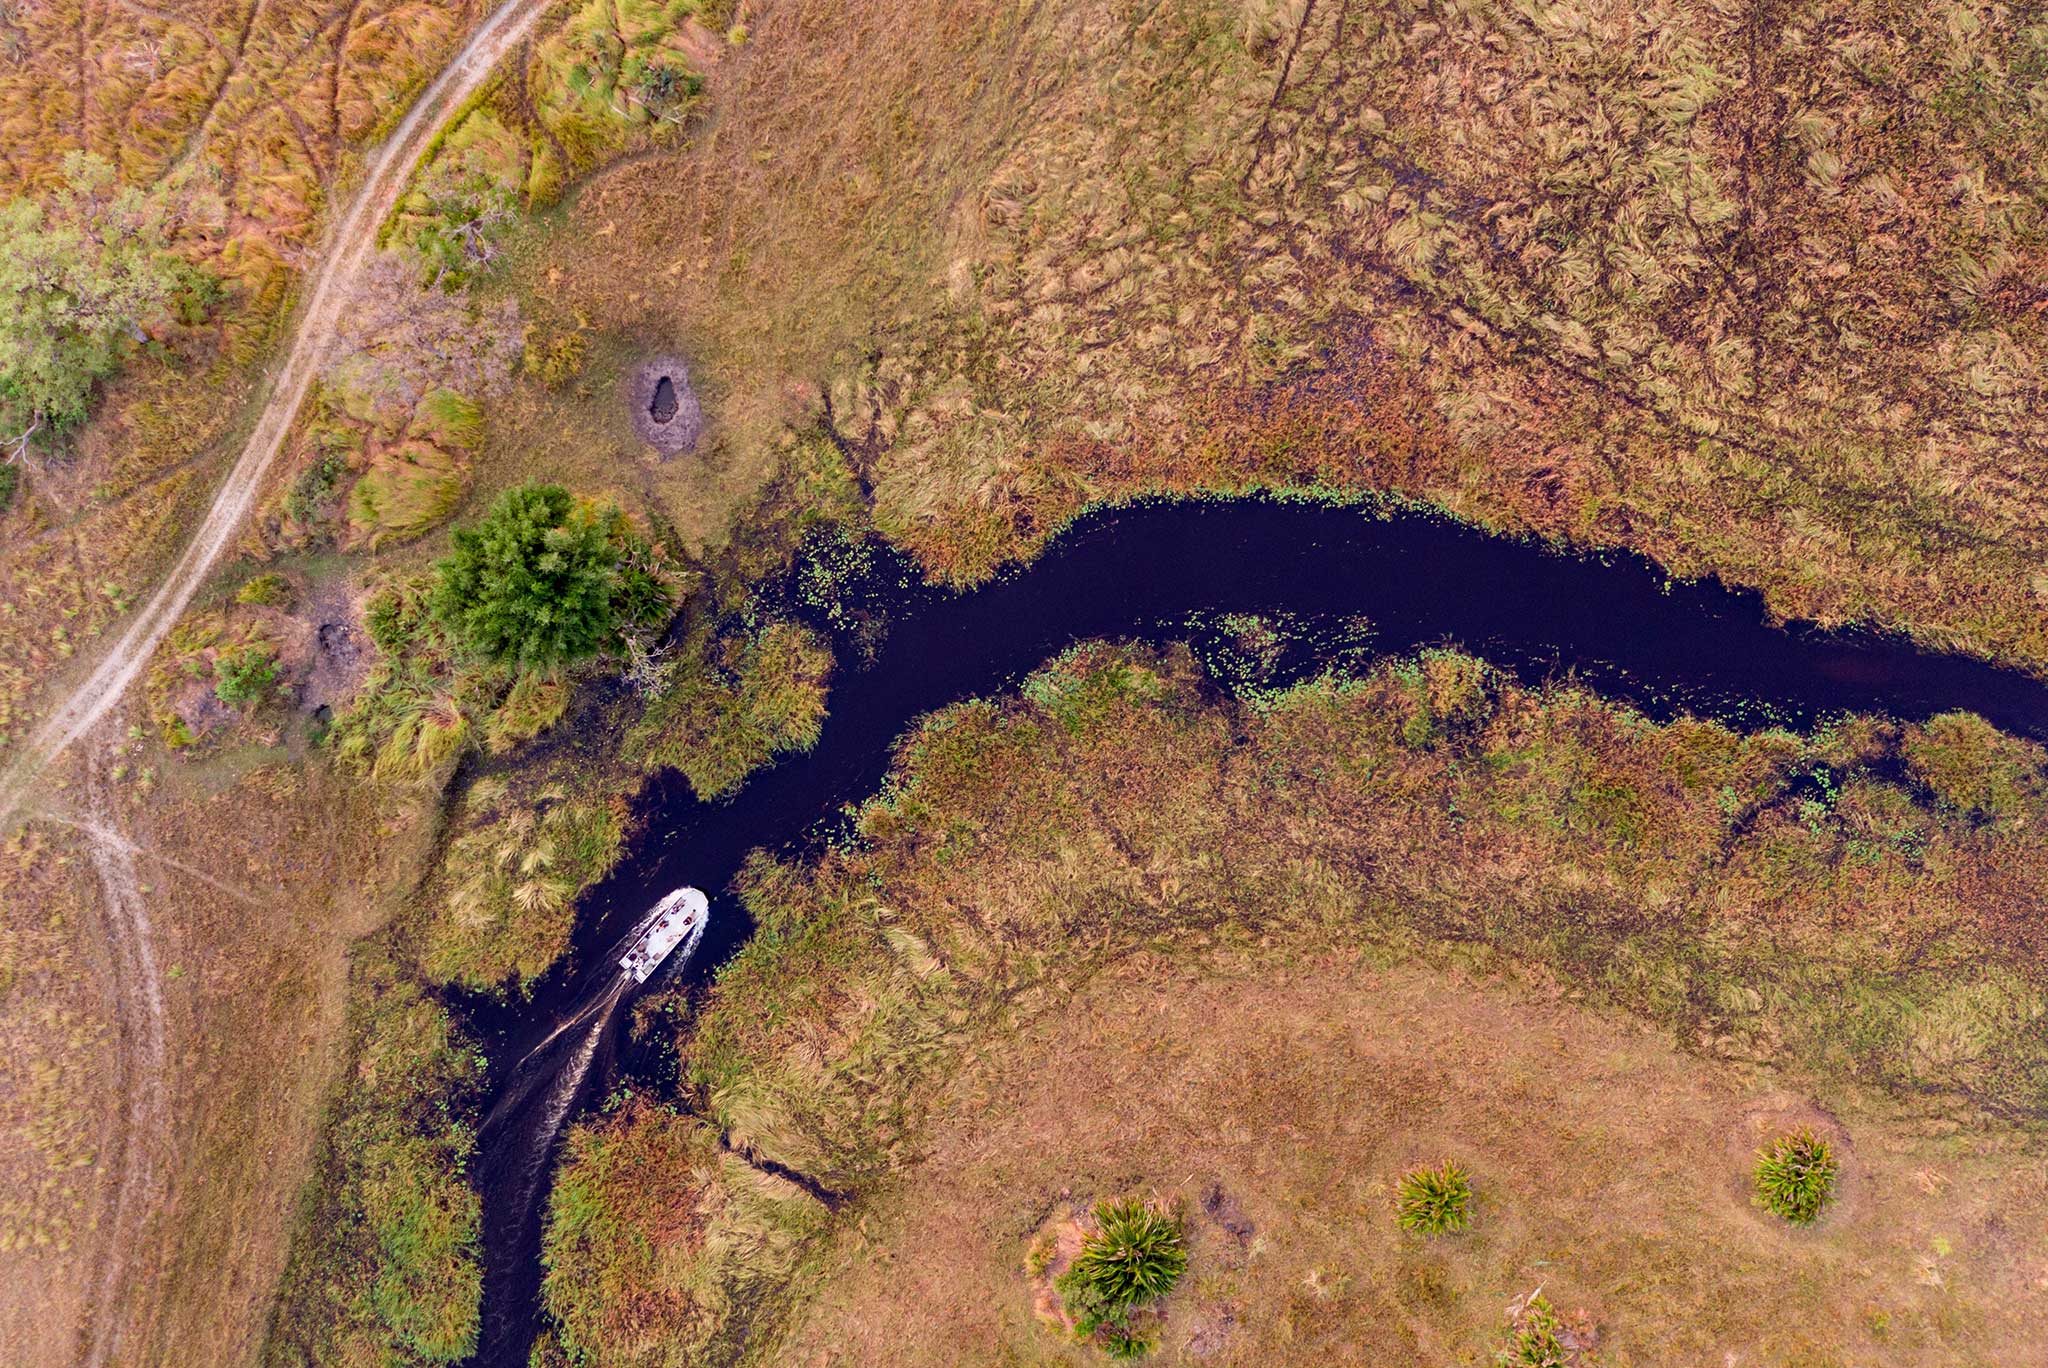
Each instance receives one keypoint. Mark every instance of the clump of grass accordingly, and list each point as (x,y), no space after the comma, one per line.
(268,590)
(405,493)
(535,702)
(1436,1201)
(449,420)
(1135,1256)
(1973,768)
(1795,1176)
(1538,1337)
(555,358)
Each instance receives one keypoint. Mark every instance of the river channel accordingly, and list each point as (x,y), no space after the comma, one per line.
(1348,582)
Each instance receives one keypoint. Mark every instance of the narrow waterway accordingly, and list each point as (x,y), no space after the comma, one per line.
(1348,583)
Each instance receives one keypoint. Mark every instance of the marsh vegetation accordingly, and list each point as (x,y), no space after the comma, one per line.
(1757,291)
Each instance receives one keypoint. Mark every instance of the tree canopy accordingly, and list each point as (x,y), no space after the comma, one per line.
(82,279)
(546,578)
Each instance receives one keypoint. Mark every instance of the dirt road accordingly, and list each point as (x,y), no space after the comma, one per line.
(351,242)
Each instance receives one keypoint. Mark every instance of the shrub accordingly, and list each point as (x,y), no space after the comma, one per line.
(1436,1201)
(544,579)
(1795,1176)
(1122,1342)
(244,675)
(10,480)
(1136,1255)
(314,486)
(396,341)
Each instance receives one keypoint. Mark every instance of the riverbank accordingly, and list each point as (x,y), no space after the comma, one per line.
(1823,915)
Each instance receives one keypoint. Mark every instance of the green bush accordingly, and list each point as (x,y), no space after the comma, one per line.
(10,480)
(1795,1176)
(84,278)
(545,579)
(1436,1201)
(244,675)
(1136,1255)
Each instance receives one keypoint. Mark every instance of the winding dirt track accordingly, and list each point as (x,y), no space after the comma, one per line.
(351,243)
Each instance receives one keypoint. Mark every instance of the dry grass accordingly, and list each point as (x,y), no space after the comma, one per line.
(240,866)
(1758,291)
(258,109)
(1298,1087)
(55,1118)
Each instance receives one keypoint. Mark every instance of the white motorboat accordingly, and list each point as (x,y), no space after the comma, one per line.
(677,922)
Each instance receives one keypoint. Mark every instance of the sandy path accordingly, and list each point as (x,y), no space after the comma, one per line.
(350,245)
(144,1127)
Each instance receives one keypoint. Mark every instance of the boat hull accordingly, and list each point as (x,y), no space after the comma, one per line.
(677,923)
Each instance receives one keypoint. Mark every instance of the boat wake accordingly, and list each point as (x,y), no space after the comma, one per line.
(518,1139)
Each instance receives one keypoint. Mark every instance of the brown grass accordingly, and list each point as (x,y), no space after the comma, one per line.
(1610,1171)
(1758,293)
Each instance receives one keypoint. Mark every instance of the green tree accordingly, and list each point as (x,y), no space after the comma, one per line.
(82,281)
(545,578)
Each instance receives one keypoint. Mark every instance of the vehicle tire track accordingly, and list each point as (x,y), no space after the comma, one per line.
(139,1011)
(142,1135)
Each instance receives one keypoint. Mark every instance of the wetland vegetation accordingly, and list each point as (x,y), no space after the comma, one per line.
(1756,291)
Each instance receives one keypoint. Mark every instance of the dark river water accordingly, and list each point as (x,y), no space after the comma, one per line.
(1346,584)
